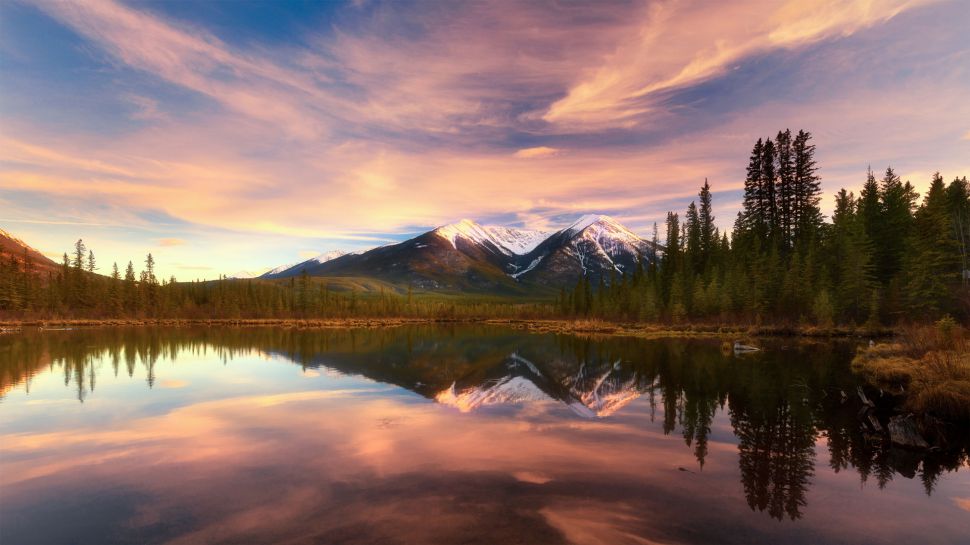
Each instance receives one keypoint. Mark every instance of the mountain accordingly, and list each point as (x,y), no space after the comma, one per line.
(591,392)
(461,259)
(466,256)
(594,245)
(293,269)
(16,249)
(508,240)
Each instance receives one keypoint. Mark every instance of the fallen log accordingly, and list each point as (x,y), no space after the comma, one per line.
(904,432)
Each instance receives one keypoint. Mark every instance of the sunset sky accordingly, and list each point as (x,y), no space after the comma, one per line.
(239,135)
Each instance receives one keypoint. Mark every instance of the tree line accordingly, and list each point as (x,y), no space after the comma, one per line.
(777,412)
(885,256)
(75,290)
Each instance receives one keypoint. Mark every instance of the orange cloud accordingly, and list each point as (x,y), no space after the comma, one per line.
(165,242)
(540,151)
(466,118)
(683,43)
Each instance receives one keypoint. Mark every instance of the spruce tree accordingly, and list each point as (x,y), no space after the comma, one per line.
(933,262)
(852,254)
(896,205)
(752,217)
(671,260)
(709,238)
(807,216)
(693,257)
(785,188)
(769,198)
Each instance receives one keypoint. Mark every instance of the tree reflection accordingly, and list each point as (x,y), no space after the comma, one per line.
(780,402)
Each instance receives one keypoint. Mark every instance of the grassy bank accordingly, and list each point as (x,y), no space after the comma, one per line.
(927,367)
(638,329)
(240,322)
(564,326)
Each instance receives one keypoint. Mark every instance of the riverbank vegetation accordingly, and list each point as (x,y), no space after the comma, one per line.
(928,368)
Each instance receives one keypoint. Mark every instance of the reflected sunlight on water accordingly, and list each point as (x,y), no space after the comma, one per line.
(447,435)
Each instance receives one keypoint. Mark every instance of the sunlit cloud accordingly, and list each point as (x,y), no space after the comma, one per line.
(171,242)
(387,121)
(684,43)
(539,151)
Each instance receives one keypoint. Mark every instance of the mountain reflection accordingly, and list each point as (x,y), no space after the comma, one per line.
(781,403)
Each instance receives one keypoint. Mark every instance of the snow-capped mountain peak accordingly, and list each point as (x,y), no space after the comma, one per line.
(517,241)
(508,240)
(466,229)
(601,224)
(327,256)
(506,390)
(322,258)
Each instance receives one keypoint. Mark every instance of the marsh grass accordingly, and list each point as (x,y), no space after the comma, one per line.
(929,365)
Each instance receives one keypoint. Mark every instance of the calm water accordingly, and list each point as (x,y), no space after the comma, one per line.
(448,435)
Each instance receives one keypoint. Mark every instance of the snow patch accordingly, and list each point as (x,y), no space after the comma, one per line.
(508,240)
(531,266)
(507,390)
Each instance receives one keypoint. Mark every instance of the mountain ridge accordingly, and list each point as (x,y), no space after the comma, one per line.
(467,256)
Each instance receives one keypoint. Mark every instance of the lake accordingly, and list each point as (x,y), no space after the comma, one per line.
(450,434)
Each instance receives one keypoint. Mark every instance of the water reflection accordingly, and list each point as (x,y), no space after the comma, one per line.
(569,437)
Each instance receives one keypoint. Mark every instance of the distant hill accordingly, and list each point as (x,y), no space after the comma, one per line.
(11,246)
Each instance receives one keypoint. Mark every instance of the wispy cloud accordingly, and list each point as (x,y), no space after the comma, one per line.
(683,43)
(168,242)
(388,119)
(538,151)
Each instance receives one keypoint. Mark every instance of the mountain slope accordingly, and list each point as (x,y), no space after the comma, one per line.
(591,392)
(16,249)
(596,246)
(294,269)
(466,256)
(461,257)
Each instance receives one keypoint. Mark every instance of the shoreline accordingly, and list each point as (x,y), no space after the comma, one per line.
(562,326)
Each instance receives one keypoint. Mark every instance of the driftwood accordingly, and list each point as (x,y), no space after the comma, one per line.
(904,432)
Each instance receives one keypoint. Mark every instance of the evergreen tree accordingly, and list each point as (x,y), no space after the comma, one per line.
(769,182)
(130,290)
(671,260)
(896,205)
(785,190)
(693,256)
(958,198)
(752,219)
(807,216)
(852,257)
(933,263)
(115,303)
(709,239)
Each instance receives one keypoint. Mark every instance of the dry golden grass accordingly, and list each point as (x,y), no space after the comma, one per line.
(930,365)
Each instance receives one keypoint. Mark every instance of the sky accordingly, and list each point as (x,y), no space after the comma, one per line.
(238,135)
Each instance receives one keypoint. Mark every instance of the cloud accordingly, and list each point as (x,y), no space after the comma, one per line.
(683,43)
(392,120)
(540,151)
(146,108)
(166,242)
(307,254)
